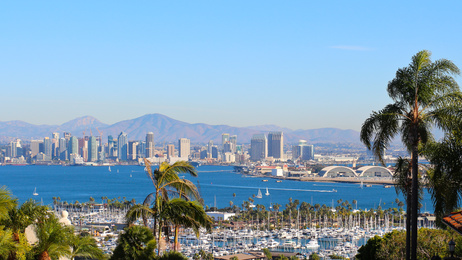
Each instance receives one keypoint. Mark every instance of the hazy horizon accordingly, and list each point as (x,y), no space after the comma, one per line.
(298,64)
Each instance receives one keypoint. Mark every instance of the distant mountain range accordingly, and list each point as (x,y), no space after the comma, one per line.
(167,129)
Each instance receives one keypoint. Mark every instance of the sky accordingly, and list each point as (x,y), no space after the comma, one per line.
(295,64)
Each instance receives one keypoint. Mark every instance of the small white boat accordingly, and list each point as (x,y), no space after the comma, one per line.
(35,192)
(109,169)
(259,195)
(267,192)
(313,244)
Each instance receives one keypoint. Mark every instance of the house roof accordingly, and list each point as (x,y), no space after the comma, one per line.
(454,221)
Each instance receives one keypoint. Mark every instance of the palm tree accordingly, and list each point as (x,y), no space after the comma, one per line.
(7,245)
(425,94)
(7,202)
(167,185)
(86,247)
(53,239)
(136,242)
(190,214)
(445,179)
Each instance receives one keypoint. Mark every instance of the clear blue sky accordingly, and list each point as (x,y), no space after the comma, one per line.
(296,64)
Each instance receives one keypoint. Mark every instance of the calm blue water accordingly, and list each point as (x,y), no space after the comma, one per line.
(217,185)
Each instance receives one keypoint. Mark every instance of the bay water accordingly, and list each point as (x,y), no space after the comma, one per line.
(217,185)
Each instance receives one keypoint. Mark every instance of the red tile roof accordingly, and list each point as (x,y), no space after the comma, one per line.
(454,221)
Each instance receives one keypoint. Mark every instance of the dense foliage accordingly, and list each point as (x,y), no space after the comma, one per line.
(392,245)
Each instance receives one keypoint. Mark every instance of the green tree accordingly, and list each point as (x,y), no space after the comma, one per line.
(86,247)
(7,202)
(267,253)
(136,242)
(445,178)
(425,94)
(172,255)
(314,256)
(167,185)
(53,239)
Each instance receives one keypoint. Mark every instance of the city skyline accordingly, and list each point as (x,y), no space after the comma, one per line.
(300,65)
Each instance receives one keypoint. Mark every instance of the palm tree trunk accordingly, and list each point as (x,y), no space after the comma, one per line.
(415,199)
(175,243)
(408,223)
(44,256)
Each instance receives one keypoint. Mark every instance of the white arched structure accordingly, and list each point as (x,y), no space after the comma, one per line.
(374,171)
(337,171)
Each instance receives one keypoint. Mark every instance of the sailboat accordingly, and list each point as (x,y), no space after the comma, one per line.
(259,194)
(361,186)
(109,168)
(35,192)
(267,192)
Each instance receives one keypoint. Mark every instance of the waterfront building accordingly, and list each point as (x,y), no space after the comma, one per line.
(112,147)
(92,149)
(276,145)
(228,157)
(184,148)
(12,149)
(63,149)
(170,151)
(209,147)
(48,148)
(204,154)
(258,147)
(122,146)
(132,148)
(337,171)
(141,150)
(73,145)
(308,152)
(303,151)
(374,171)
(149,145)
(214,152)
(35,147)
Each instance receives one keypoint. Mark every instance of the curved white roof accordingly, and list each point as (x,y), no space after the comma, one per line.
(375,171)
(337,171)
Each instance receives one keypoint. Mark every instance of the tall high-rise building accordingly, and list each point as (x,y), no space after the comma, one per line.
(149,145)
(258,147)
(224,138)
(233,140)
(170,151)
(132,148)
(12,149)
(73,145)
(35,147)
(63,149)
(48,148)
(92,149)
(209,146)
(122,146)
(308,152)
(184,148)
(276,145)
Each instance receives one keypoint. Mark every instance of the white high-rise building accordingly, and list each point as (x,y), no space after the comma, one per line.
(184,148)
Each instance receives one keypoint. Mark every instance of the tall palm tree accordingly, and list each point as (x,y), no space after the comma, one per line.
(425,94)
(189,214)
(167,185)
